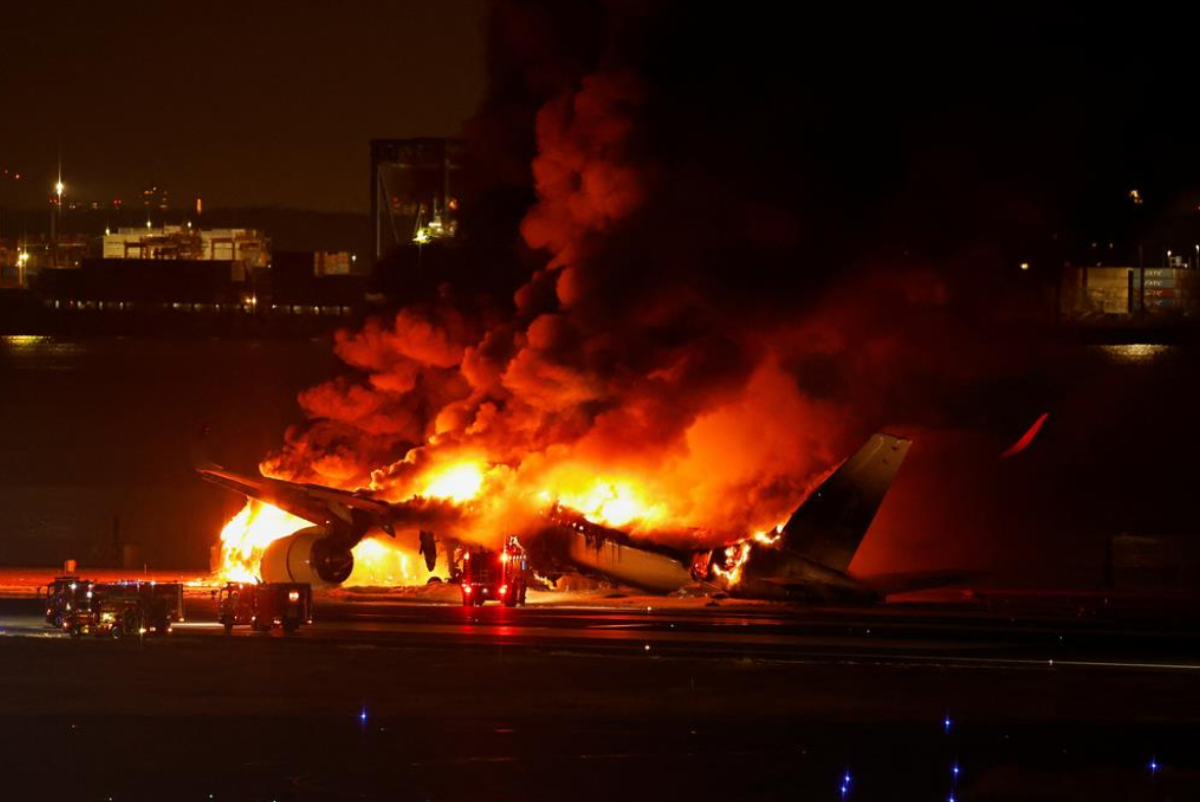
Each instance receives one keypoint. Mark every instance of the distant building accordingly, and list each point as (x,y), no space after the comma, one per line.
(307,279)
(144,283)
(240,245)
(37,253)
(414,191)
(1117,294)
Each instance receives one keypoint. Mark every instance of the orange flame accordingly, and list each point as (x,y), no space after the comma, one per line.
(383,563)
(737,554)
(459,482)
(615,502)
(377,562)
(247,535)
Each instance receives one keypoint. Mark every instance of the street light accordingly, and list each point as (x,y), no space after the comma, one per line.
(55,212)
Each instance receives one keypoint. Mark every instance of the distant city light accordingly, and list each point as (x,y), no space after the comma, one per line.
(1136,197)
(58,189)
(1024,265)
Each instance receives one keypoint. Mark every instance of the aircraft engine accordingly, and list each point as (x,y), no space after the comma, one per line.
(310,555)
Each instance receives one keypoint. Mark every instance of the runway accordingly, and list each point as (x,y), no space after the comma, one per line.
(391,699)
(935,635)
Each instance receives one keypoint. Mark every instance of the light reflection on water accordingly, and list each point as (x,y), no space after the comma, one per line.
(19,340)
(42,353)
(1135,353)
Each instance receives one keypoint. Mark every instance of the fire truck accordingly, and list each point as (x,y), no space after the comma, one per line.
(118,609)
(66,594)
(265,605)
(501,576)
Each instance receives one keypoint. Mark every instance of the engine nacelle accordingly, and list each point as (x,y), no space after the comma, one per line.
(307,556)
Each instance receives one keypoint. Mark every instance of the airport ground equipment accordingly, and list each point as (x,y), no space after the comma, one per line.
(131,607)
(265,605)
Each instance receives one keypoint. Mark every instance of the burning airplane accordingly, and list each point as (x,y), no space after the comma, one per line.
(806,557)
(659,401)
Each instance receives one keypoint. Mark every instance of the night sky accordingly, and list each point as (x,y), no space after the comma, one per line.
(244,104)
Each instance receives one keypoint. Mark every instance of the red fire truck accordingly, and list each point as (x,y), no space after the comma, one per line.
(265,605)
(129,607)
(64,596)
(499,576)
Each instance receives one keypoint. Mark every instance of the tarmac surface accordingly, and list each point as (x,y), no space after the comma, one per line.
(384,698)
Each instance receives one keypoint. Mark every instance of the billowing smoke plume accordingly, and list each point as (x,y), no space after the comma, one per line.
(701,323)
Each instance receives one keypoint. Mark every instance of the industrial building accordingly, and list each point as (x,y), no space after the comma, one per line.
(1121,294)
(414,191)
(248,247)
(187,269)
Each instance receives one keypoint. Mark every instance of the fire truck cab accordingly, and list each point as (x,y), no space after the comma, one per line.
(263,606)
(499,576)
(65,595)
(117,609)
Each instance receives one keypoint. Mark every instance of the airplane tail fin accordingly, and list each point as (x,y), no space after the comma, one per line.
(829,526)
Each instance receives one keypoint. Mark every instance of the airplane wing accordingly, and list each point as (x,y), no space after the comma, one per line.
(314,503)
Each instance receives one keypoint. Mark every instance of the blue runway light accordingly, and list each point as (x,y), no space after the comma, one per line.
(946,723)
(1153,766)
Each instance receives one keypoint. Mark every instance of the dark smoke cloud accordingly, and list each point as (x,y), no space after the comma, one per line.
(713,304)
